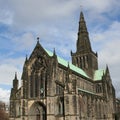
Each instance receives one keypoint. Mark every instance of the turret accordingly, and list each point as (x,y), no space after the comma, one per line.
(14,88)
(15,83)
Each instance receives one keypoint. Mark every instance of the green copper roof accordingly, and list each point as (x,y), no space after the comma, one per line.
(78,70)
(98,74)
(49,52)
(65,63)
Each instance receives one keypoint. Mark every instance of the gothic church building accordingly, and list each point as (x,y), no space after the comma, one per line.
(54,89)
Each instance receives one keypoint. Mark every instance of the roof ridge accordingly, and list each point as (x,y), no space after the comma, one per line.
(64,62)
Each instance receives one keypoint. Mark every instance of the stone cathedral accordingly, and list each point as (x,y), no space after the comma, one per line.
(54,89)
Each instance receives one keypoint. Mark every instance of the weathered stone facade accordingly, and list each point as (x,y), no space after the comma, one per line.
(53,89)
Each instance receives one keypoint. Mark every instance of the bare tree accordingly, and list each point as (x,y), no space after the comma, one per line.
(3,115)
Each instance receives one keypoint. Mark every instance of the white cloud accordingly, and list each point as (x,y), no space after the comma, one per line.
(4,95)
(6,17)
(48,19)
(31,12)
(108,42)
(98,6)
(8,68)
(24,42)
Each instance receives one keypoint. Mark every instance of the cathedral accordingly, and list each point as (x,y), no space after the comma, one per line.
(55,89)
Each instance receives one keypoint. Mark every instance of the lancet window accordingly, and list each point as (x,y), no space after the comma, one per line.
(98,88)
(37,84)
(59,89)
(60,106)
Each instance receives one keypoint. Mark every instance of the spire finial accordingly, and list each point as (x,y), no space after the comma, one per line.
(38,42)
(15,75)
(38,39)
(54,52)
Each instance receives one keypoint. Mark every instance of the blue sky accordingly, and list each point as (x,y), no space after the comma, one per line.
(56,23)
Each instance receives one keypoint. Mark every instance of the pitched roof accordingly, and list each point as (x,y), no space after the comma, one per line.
(98,74)
(65,63)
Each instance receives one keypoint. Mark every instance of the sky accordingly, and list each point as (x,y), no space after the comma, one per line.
(56,23)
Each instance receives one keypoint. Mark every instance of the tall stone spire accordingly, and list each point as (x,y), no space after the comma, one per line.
(84,57)
(83,42)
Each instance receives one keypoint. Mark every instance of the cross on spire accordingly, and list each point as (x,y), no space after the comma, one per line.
(38,39)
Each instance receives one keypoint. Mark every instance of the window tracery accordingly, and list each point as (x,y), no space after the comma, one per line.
(38,79)
(60,106)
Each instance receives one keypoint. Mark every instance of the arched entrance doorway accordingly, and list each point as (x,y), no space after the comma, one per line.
(37,111)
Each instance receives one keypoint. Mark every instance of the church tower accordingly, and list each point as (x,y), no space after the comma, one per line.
(84,57)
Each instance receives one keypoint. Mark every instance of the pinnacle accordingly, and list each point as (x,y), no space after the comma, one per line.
(38,44)
(54,52)
(15,75)
(38,40)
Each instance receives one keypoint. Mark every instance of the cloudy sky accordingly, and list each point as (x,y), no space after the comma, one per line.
(56,23)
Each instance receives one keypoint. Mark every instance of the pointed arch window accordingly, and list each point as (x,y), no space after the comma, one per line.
(43,83)
(59,89)
(31,85)
(18,111)
(36,85)
(60,106)
(86,61)
(80,62)
(77,61)
(98,88)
